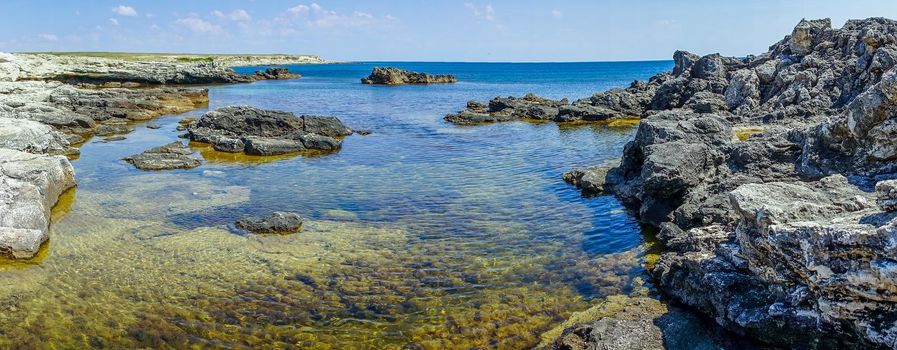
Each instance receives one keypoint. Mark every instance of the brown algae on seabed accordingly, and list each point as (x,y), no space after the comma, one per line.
(626,123)
(209,154)
(117,275)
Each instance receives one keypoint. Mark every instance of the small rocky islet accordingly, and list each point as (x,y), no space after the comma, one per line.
(784,234)
(397,76)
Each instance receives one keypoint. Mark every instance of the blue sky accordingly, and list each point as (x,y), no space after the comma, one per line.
(436,30)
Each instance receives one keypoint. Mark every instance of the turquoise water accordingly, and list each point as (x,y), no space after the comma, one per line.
(423,233)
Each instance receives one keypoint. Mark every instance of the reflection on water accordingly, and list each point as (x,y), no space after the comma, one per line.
(422,234)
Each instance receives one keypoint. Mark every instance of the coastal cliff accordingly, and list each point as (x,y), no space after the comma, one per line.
(761,174)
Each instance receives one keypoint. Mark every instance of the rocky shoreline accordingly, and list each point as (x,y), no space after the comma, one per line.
(774,232)
(49,104)
(770,178)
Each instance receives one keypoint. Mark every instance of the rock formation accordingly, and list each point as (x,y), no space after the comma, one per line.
(265,132)
(175,155)
(777,235)
(81,112)
(97,70)
(277,222)
(532,107)
(30,185)
(396,76)
(276,73)
(621,322)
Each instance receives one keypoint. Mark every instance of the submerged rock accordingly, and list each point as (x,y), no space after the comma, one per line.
(175,155)
(590,180)
(277,222)
(396,76)
(629,323)
(266,132)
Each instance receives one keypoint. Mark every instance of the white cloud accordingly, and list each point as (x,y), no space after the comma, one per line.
(298,10)
(113,21)
(316,16)
(557,14)
(487,13)
(235,15)
(48,36)
(198,25)
(123,10)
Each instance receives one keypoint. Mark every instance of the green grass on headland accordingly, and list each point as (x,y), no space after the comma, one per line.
(186,57)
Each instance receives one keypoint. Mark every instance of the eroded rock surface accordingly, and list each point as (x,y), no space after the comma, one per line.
(175,155)
(532,107)
(396,76)
(621,322)
(30,184)
(780,236)
(266,132)
(32,137)
(80,112)
(97,70)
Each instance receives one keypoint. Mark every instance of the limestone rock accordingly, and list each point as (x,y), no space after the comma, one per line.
(30,185)
(175,155)
(32,137)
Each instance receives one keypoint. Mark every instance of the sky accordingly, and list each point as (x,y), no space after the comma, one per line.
(420,30)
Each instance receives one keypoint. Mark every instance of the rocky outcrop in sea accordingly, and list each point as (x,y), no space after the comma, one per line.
(776,233)
(175,155)
(276,73)
(532,107)
(396,76)
(266,132)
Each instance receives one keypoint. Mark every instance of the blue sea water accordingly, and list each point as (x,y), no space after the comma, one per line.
(491,246)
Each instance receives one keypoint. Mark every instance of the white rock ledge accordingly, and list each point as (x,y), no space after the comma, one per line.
(30,185)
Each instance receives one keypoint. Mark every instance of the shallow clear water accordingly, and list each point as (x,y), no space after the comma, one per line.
(421,233)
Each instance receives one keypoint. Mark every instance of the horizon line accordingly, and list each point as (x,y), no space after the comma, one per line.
(327,61)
